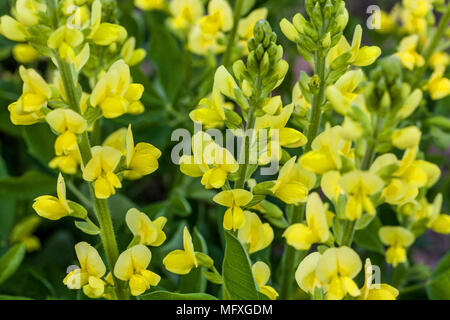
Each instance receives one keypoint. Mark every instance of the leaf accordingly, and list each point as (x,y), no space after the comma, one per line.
(165,295)
(368,238)
(87,227)
(180,206)
(28,186)
(438,287)
(194,282)
(40,142)
(6,297)
(166,53)
(238,279)
(364,221)
(440,138)
(11,261)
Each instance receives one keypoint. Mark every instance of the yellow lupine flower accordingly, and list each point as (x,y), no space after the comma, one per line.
(65,39)
(182,261)
(410,104)
(103,33)
(247,24)
(51,207)
(326,152)
(407,53)
(439,58)
(359,186)
(67,163)
(387,20)
(149,4)
(341,94)
(300,103)
(411,172)
(398,239)
(224,82)
(210,161)
(419,8)
(255,234)
(100,170)
(88,275)
(261,272)
(302,236)
(233,199)
(24,53)
(141,159)
(438,86)
(115,94)
(27,11)
(132,266)
(361,57)
(185,13)
(293,183)
(220,17)
(12,29)
(306,276)
(68,124)
(372,291)
(150,232)
(437,221)
(117,140)
(336,268)
(408,137)
(330,185)
(130,55)
(35,95)
(210,111)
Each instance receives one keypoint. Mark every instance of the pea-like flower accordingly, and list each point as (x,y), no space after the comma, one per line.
(255,234)
(261,272)
(132,266)
(115,94)
(104,33)
(88,275)
(407,52)
(359,186)
(53,208)
(35,94)
(405,138)
(24,53)
(210,111)
(185,13)
(336,268)
(182,261)
(247,25)
(371,291)
(65,39)
(100,170)
(306,276)
(438,86)
(341,94)
(302,236)
(398,239)
(130,54)
(150,233)
(149,4)
(12,29)
(233,199)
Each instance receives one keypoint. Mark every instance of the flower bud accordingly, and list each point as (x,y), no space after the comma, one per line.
(405,138)
(289,30)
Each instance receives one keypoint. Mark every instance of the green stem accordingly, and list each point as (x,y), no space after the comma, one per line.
(230,44)
(349,231)
(84,200)
(100,205)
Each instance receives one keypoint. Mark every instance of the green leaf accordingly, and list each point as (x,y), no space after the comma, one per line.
(87,227)
(238,279)
(11,261)
(438,287)
(180,206)
(165,295)
(28,186)
(368,237)
(78,210)
(40,142)
(440,138)
(6,297)
(364,221)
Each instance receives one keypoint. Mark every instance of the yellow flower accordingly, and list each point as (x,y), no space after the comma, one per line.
(416,173)
(224,82)
(407,53)
(246,26)
(408,137)
(115,94)
(132,266)
(185,13)
(254,233)
(67,163)
(437,221)
(410,104)
(261,272)
(150,232)
(293,183)
(141,159)
(88,275)
(439,58)
(306,276)
(438,85)
(341,94)
(210,161)
(100,170)
(65,39)
(35,95)
(330,185)
(220,17)
(182,261)
(233,200)
(387,20)
(24,53)
(360,57)
(130,55)
(68,124)
(359,186)
(419,8)
(397,238)
(376,291)
(117,140)
(336,268)
(289,30)
(327,149)
(51,207)
(299,100)
(27,11)
(210,111)
(103,33)
(149,4)
(302,236)
(12,29)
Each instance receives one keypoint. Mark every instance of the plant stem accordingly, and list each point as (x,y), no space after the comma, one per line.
(100,205)
(237,15)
